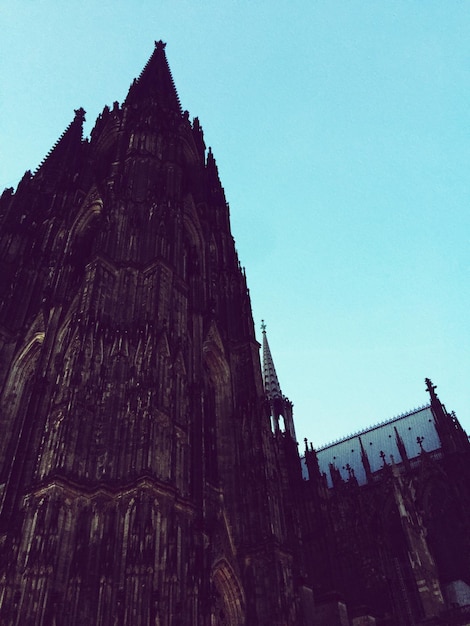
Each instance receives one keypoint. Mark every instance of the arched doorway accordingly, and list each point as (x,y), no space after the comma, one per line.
(228,601)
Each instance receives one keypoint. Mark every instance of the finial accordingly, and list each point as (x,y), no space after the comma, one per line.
(430,388)
(351,472)
(160,45)
(263,327)
(80,114)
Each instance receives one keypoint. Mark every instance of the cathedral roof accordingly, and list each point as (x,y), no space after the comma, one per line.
(411,432)
(156,82)
(270,379)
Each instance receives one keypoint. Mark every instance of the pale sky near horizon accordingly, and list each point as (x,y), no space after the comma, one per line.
(340,129)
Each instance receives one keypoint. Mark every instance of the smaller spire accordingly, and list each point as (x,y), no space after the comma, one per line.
(311,460)
(278,403)
(401,446)
(214,185)
(270,379)
(66,147)
(365,461)
(336,478)
(198,135)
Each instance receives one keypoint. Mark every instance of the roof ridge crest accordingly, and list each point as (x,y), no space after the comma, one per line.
(363,431)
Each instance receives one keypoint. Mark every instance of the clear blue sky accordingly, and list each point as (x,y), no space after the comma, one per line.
(341,131)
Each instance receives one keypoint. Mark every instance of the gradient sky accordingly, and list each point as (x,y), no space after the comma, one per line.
(340,129)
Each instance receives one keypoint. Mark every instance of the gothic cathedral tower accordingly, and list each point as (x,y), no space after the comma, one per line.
(137,461)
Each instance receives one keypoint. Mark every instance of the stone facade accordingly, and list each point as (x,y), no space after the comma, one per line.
(148,476)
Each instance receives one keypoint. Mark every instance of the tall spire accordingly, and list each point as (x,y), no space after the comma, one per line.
(156,82)
(270,379)
(65,149)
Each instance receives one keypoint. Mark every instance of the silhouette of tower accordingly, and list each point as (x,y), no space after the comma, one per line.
(136,456)
(149,471)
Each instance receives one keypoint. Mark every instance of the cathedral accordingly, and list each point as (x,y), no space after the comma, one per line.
(149,469)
